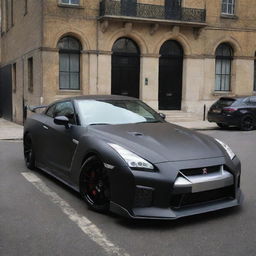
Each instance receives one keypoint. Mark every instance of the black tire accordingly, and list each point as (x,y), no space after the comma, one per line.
(247,123)
(221,125)
(29,155)
(94,185)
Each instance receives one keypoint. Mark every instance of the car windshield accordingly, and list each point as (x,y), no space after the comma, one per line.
(99,112)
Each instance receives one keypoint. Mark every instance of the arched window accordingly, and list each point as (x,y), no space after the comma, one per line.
(69,63)
(125,46)
(224,57)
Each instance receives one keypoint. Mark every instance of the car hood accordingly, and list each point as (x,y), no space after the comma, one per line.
(159,142)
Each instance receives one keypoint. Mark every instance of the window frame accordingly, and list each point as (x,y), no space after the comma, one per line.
(69,3)
(222,59)
(54,105)
(69,52)
(225,5)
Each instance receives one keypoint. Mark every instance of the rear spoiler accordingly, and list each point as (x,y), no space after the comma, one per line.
(34,108)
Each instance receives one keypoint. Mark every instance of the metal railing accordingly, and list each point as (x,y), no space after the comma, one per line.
(149,11)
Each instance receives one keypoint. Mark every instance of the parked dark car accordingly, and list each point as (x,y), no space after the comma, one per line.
(240,112)
(123,156)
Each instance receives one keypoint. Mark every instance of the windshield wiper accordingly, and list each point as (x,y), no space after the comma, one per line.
(100,124)
(153,121)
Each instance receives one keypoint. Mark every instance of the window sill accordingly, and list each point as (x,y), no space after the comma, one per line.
(69,92)
(71,6)
(229,16)
(223,93)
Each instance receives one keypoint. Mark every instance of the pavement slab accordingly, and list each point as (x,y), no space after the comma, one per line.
(10,130)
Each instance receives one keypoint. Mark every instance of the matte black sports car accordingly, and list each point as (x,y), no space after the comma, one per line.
(240,112)
(123,156)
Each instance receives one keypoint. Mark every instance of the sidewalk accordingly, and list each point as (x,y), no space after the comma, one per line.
(197,125)
(12,131)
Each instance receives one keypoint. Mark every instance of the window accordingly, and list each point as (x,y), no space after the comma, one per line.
(69,63)
(30,75)
(50,111)
(65,109)
(253,100)
(14,77)
(224,56)
(70,2)
(228,7)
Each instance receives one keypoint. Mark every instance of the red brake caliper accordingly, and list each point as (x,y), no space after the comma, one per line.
(94,191)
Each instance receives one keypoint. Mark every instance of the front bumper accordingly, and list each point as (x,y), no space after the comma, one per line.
(159,188)
(170,214)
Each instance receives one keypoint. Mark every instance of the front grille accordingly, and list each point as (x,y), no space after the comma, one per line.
(199,171)
(190,199)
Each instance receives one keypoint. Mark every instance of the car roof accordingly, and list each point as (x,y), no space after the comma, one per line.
(234,98)
(98,97)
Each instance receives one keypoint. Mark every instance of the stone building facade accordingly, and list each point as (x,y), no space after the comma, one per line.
(172,54)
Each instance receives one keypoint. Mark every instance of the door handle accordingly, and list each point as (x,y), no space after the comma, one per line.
(45,127)
(169,94)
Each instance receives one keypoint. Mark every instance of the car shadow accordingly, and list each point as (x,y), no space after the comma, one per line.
(145,224)
(234,128)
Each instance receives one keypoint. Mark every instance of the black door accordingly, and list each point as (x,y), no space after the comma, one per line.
(125,68)
(6,92)
(129,7)
(173,9)
(59,137)
(170,76)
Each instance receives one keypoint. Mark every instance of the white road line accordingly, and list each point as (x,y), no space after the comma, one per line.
(82,222)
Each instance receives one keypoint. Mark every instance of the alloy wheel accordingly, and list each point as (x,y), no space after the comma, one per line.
(94,185)
(247,123)
(28,153)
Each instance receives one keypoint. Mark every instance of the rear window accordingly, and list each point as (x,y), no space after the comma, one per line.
(226,102)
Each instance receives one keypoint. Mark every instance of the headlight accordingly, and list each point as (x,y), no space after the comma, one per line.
(134,161)
(227,148)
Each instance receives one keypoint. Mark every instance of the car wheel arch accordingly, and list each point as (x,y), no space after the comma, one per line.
(247,115)
(91,156)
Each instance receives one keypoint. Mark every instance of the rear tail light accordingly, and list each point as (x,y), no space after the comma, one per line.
(230,110)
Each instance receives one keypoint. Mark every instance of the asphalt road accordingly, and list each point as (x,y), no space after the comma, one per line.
(49,220)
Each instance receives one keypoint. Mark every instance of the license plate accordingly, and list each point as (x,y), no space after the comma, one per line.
(216,110)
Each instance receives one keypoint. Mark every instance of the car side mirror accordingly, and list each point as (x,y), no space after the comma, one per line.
(163,116)
(61,120)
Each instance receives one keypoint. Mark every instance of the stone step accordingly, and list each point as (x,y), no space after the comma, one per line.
(181,116)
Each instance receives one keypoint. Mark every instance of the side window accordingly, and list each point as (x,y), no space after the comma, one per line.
(65,109)
(253,100)
(50,111)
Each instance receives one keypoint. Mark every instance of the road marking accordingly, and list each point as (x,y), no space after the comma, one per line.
(83,223)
